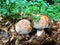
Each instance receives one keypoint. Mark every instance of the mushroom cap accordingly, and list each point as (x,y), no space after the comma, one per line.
(42,23)
(23,26)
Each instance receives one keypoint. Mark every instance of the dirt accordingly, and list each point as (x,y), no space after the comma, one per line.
(8,35)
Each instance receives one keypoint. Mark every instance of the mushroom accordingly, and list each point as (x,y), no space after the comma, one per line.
(41,24)
(23,26)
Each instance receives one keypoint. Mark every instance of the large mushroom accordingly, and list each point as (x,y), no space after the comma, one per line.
(23,26)
(41,24)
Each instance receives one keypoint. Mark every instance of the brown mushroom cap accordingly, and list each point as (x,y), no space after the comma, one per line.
(23,26)
(42,23)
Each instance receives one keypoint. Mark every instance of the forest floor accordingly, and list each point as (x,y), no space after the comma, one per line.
(8,35)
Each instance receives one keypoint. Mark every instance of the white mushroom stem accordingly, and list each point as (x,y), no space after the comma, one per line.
(39,32)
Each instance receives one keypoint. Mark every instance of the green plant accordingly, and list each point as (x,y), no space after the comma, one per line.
(12,8)
(56,1)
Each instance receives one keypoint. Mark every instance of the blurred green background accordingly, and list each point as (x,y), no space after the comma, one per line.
(13,8)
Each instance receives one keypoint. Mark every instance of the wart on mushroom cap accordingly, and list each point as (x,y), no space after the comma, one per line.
(23,27)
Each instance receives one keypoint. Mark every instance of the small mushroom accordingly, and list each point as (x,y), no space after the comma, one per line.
(23,27)
(41,24)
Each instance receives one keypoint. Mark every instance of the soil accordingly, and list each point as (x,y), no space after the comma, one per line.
(8,35)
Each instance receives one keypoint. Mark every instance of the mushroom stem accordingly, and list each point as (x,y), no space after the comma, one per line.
(39,32)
